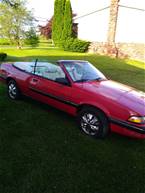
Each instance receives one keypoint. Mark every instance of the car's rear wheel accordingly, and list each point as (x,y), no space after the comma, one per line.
(93,122)
(13,90)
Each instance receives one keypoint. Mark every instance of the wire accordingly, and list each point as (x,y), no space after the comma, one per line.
(92,13)
(43,18)
(39,20)
(139,9)
(135,8)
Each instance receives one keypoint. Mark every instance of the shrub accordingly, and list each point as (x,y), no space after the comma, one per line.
(3,56)
(31,38)
(4,42)
(75,45)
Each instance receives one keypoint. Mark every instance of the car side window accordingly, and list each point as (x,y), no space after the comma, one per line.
(25,66)
(49,71)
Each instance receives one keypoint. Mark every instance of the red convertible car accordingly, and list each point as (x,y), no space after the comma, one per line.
(78,88)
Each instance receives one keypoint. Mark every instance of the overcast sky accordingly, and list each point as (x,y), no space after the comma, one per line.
(44,8)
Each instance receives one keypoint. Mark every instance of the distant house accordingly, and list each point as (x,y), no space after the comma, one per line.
(119,23)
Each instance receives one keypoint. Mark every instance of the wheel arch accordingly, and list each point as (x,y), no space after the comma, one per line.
(103,110)
(8,79)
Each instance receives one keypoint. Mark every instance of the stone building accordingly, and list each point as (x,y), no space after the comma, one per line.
(116,28)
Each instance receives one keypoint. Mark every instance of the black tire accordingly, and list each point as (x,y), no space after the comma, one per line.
(93,122)
(13,90)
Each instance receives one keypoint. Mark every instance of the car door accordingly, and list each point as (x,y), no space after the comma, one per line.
(46,85)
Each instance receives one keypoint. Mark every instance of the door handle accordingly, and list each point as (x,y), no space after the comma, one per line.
(35,80)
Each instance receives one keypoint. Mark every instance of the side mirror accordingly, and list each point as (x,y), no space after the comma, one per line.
(63,81)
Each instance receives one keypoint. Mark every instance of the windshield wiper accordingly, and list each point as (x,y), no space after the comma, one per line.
(82,80)
(98,79)
(89,80)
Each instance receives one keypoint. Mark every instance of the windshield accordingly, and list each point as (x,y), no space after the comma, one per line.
(83,71)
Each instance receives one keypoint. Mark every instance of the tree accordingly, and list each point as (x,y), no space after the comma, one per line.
(46,30)
(13,21)
(58,21)
(12,3)
(31,38)
(67,28)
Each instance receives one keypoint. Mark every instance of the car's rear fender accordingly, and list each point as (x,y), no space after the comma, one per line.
(6,71)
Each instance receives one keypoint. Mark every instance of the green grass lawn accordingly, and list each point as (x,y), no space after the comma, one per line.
(43,151)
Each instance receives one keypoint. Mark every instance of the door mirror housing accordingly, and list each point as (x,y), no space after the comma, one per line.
(63,81)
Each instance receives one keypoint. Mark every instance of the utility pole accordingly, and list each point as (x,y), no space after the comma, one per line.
(114,7)
(113,21)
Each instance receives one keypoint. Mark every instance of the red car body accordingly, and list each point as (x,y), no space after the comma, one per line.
(117,101)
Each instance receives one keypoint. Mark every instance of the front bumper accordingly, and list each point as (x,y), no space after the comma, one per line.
(128,129)
(129,126)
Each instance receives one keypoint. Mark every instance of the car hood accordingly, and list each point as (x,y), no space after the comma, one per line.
(125,95)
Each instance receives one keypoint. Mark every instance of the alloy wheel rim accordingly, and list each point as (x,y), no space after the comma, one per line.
(90,124)
(12,90)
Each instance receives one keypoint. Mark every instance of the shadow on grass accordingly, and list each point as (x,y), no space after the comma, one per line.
(42,151)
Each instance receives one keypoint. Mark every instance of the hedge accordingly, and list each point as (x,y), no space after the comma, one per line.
(75,45)
(4,42)
(3,56)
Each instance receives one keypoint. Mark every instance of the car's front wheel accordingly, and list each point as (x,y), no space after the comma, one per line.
(93,122)
(13,90)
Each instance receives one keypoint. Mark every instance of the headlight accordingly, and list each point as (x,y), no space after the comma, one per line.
(136,119)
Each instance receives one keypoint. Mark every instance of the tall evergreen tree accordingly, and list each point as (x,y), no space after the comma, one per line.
(58,21)
(68,23)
